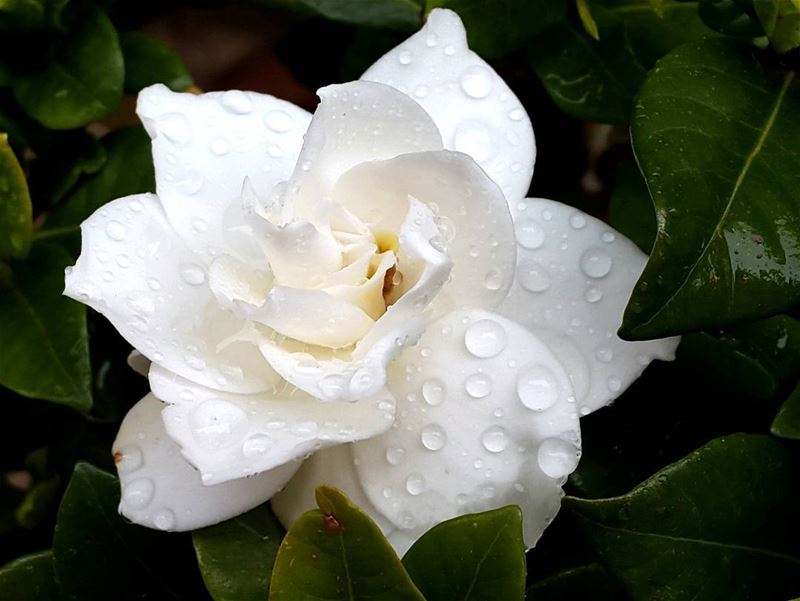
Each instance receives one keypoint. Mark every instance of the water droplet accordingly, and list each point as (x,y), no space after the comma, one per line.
(216,423)
(176,128)
(123,261)
(608,237)
(431,40)
(474,139)
(530,234)
(604,354)
(257,444)
(191,183)
(407,520)
(485,338)
(304,429)
(593,295)
(361,382)
(333,386)
(494,439)
(537,388)
(434,391)
(116,231)
(493,280)
(614,384)
(449,50)
(274,151)
(395,455)
(139,493)
(478,386)
(476,81)
(192,274)
(404,57)
(164,519)
(433,437)
(237,102)
(421,91)
(516,114)
(577,221)
(557,458)
(278,121)
(596,263)
(128,459)
(219,146)
(532,277)
(415,484)
(643,359)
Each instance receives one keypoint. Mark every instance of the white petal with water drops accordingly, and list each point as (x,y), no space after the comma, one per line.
(575,275)
(161,490)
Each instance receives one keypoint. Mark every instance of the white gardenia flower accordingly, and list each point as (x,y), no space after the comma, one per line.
(369,285)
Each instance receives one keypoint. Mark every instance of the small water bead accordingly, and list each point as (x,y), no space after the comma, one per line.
(608,237)
(494,439)
(604,354)
(237,102)
(191,182)
(537,388)
(431,40)
(433,391)
(485,338)
(557,458)
(135,206)
(219,146)
(395,455)
(304,429)
(257,444)
(577,221)
(614,384)
(478,386)
(433,437)
(164,519)
(216,423)
(596,263)
(123,261)
(532,277)
(139,493)
(449,50)
(593,295)
(415,484)
(116,231)
(493,280)
(407,520)
(529,233)
(404,57)
(643,359)
(516,114)
(192,274)
(475,139)
(476,81)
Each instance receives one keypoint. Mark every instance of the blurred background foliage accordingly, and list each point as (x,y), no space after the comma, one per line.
(677,121)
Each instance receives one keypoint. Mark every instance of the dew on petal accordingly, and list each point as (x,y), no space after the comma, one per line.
(478,385)
(557,458)
(433,437)
(596,263)
(138,493)
(532,276)
(494,439)
(530,234)
(433,391)
(476,81)
(485,338)
(537,388)
(415,484)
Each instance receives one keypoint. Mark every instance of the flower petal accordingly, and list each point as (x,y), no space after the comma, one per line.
(473,218)
(472,106)
(485,418)
(136,271)
(229,436)
(355,122)
(160,490)
(206,145)
(574,277)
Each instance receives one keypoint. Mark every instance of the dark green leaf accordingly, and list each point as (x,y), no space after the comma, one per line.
(31,14)
(82,83)
(736,18)
(485,558)
(45,350)
(236,557)
(338,553)
(30,578)
(127,170)
(716,136)
(15,205)
(787,422)
(631,209)
(781,22)
(590,581)
(390,14)
(496,28)
(148,61)
(37,502)
(587,19)
(720,524)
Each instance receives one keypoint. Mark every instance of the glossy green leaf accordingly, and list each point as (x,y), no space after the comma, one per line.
(781,22)
(236,557)
(720,524)
(148,61)
(787,422)
(128,170)
(30,578)
(496,28)
(630,210)
(82,83)
(338,553)
(591,581)
(15,205)
(736,18)
(44,341)
(389,14)
(485,558)
(716,136)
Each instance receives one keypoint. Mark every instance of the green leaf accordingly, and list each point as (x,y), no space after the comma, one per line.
(735,18)
(82,83)
(485,558)
(716,136)
(338,553)
(591,581)
(631,210)
(128,170)
(787,422)
(148,61)
(44,341)
(31,14)
(587,20)
(37,502)
(389,14)
(721,523)
(15,205)
(236,557)
(781,22)
(496,28)
(30,578)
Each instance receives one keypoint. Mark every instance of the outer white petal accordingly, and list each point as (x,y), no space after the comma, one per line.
(473,218)
(160,490)
(354,122)
(485,418)
(228,436)
(475,110)
(136,271)
(574,277)
(333,467)
(206,145)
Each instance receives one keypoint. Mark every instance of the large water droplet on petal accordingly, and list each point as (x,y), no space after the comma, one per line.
(164,519)
(596,263)
(478,386)
(278,121)
(116,231)
(415,484)
(494,439)
(433,437)
(395,455)
(537,388)
(433,391)
(485,338)
(192,274)
(530,234)
(532,276)
(557,458)
(138,493)
(476,81)
(257,444)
